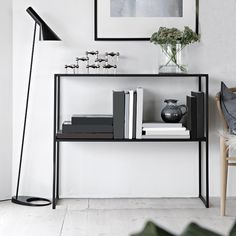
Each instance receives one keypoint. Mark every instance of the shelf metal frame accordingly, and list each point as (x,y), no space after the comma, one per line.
(203,153)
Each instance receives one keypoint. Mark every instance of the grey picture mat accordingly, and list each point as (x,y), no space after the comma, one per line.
(146,8)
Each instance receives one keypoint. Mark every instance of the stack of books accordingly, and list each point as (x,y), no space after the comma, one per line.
(89,126)
(128,114)
(164,131)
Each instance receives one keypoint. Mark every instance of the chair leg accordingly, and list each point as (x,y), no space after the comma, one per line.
(224,171)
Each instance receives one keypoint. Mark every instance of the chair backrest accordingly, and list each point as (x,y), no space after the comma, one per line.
(220,110)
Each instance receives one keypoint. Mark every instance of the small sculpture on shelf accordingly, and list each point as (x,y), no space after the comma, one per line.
(93,66)
(107,67)
(73,67)
(82,62)
(101,60)
(92,53)
(83,59)
(114,56)
(95,61)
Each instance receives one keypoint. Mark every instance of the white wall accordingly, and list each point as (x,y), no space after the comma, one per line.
(6,99)
(113,169)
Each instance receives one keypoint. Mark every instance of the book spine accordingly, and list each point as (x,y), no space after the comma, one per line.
(85,135)
(68,128)
(131,107)
(118,114)
(139,118)
(165,136)
(167,132)
(164,129)
(134,114)
(91,121)
(162,125)
(200,113)
(192,116)
(126,116)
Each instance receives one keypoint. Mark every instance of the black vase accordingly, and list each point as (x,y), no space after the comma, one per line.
(173,113)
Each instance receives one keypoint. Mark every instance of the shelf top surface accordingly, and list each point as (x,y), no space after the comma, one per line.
(135,75)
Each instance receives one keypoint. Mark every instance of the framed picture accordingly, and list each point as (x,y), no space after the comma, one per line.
(138,19)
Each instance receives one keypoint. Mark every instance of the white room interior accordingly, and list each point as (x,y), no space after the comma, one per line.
(105,170)
(76,30)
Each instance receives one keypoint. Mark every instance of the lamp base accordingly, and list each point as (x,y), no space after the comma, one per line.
(31,201)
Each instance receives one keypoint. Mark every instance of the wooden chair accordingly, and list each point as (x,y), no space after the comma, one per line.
(225,159)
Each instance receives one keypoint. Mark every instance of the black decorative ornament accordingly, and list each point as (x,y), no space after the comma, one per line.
(173,113)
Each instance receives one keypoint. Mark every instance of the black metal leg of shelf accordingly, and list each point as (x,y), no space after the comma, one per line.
(200,168)
(206,199)
(58,166)
(207,174)
(199,83)
(58,88)
(54,176)
(54,146)
(207,141)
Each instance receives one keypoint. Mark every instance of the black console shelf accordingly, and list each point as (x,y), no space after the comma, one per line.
(61,137)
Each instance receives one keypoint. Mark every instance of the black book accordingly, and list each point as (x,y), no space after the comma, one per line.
(200,113)
(134,114)
(118,114)
(85,135)
(68,127)
(93,119)
(192,116)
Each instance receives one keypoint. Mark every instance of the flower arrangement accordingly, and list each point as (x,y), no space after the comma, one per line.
(172,41)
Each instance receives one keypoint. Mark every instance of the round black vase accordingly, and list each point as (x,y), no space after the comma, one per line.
(171,113)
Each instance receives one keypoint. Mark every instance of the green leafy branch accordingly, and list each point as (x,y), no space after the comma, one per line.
(174,36)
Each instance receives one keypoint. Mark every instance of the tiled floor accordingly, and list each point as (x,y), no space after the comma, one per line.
(111,217)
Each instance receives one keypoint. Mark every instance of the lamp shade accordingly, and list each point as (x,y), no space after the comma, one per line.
(46,33)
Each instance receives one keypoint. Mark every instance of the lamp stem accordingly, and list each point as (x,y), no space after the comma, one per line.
(26,112)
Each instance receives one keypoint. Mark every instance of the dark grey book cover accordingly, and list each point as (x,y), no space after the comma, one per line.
(200,113)
(134,114)
(85,135)
(67,127)
(118,114)
(93,119)
(192,116)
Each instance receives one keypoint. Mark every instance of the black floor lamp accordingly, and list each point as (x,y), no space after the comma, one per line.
(45,34)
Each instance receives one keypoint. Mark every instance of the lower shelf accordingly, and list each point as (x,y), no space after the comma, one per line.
(67,137)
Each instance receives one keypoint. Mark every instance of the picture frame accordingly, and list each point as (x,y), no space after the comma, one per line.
(123,28)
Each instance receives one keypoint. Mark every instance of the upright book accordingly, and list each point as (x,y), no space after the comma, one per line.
(126,126)
(131,113)
(134,114)
(118,114)
(200,113)
(139,115)
(192,116)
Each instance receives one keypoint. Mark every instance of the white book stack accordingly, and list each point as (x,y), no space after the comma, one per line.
(164,131)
